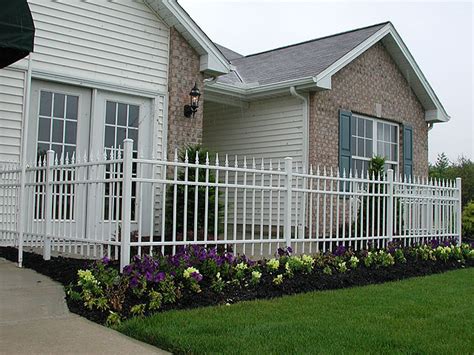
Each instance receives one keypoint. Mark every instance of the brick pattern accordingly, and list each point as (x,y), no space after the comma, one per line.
(371,80)
(183,73)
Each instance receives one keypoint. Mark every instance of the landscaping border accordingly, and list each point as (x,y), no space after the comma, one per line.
(64,270)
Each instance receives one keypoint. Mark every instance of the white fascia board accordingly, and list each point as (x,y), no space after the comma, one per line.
(212,60)
(323,79)
(250,92)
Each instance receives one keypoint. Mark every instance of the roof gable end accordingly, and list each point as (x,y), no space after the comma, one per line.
(213,62)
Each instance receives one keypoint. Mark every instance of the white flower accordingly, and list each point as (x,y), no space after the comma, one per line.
(189,271)
(273,264)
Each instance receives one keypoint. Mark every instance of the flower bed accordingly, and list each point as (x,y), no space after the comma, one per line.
(198,277)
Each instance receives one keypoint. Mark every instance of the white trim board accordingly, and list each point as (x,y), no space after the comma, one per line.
(212,61)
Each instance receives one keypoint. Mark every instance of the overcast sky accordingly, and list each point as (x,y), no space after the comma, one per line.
(438,34)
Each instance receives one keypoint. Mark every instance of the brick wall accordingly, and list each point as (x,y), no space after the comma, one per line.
(373,78)
(183,72)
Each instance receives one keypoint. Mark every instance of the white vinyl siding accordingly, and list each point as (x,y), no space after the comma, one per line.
(121,43)
(271,128)
(11,108)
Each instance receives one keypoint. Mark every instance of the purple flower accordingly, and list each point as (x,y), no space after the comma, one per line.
(289,250)
(149,276)
(196,276)
(434,243)
(105,260)
(159,277)
(127,270)
(340,251)
(134,282)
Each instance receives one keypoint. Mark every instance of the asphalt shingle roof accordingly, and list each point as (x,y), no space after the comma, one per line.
(295,61)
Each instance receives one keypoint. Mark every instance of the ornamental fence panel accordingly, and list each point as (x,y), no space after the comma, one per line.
(119,204)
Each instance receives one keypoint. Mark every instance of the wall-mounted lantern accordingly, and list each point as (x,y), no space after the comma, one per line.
(194,95)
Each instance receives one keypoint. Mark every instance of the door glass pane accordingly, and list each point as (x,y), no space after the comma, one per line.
(109,136)
(45,103)
(122,115)
(133,116)
(44,126)
(58,128)
(72,107)
(110,108)
(71,132)
(121,134)
(133,134)
(58,110)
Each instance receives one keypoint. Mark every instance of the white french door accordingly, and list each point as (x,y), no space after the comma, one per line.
(117,117)
(59,120)
(81,122)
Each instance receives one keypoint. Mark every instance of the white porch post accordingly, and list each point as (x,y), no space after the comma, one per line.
(287,202)
(48,205)
(126,203)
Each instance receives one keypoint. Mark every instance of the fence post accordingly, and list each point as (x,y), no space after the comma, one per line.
(48,205)
(390,205)
(287,201)
(126,203)
(459,210)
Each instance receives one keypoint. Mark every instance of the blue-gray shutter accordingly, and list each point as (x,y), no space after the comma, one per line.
(345,154)
(407,150)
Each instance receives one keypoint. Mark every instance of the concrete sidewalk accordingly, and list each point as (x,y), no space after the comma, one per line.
(34,319)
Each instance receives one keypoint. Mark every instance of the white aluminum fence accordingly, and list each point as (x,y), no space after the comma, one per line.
(122,205)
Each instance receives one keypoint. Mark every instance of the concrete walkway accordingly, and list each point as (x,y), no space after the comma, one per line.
(34,319)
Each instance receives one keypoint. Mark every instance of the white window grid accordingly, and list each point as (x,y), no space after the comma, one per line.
(375,141)
(52,117)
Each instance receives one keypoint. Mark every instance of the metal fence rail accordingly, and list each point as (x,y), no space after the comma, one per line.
(119,205)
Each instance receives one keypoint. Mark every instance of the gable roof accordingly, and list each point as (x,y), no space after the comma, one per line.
(213,62)
(298,60)
(310,65)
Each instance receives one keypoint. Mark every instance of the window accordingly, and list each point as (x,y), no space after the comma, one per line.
(57,123)
(371,137)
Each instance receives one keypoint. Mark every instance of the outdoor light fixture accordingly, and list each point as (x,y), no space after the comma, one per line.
(195,94)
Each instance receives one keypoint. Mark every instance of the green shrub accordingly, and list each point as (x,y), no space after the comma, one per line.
(468,221)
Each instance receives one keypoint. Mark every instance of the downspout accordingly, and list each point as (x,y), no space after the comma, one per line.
(305,169)
(304,99)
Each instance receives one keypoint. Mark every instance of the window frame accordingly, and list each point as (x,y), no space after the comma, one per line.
(375,140)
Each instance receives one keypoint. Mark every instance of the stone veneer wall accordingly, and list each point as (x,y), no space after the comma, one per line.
(183,73)
(373,78)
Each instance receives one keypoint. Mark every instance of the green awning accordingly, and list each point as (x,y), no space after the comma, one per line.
(17,31)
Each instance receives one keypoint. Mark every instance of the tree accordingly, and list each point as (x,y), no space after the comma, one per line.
(463,168)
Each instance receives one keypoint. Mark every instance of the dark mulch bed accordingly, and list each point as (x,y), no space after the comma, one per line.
(64,270)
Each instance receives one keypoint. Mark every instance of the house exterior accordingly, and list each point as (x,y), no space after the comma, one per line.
(101,72)
(333,102)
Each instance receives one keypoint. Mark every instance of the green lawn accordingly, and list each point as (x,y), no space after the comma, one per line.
(426,315)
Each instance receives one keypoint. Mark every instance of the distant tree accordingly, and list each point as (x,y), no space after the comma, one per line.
(440,170)
(463,168)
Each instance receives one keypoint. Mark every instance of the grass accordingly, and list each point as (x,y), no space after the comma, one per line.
(425,315)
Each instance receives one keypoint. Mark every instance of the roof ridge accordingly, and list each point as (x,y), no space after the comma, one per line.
(317,39)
